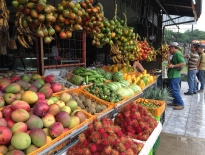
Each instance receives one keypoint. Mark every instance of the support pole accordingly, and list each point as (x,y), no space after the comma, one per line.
(84,48)
(42,56)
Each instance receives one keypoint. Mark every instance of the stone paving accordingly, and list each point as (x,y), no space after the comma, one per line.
(191,120)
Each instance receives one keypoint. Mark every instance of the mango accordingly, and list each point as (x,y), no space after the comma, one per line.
(13,88)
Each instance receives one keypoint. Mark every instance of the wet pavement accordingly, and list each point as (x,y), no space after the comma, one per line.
(191,120)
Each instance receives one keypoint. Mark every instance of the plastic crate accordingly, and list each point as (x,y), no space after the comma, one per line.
(156,145)
(61,141)
(154,111)
(151,152)
(111,103)
(104,113)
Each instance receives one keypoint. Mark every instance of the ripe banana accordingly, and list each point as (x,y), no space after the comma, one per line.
(115,50)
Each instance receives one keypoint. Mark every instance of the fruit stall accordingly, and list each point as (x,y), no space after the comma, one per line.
(67,81)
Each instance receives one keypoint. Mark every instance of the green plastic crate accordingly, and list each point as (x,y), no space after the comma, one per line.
(151,152)
(156,144)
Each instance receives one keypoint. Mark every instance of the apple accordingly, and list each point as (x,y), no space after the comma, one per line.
(1,94)
(65,97)
(9,98)
(18,96)
(40,95)
(2,102)
(49,101)
(56,87)
(60,103)
(66,109)
(54,98)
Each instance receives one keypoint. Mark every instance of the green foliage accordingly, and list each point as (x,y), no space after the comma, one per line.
(156,93)
(170,36)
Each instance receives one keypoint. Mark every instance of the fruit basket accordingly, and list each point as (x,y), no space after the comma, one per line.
(155,107)
(60,142)
(104,113)
(110,103)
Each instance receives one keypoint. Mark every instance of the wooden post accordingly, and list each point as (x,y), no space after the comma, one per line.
(84,48)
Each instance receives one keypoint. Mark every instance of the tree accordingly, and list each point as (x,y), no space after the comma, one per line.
(170,36)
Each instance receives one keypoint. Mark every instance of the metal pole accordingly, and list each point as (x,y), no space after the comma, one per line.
(191,33)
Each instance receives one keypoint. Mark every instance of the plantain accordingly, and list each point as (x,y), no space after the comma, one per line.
(30,39)
(22,41)
(25,42)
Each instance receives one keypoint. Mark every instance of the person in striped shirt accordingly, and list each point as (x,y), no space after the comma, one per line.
(192,70)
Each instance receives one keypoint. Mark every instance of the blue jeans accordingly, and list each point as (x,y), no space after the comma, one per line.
(174,86)
(201,78)
(192,80)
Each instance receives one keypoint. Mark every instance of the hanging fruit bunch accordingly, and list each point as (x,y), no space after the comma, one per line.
(163,51)
(116,55)
(39,16)
(152,55)
(124,35)
(95,24)
(105,36)
(69,19)
(144,50)
(22,32)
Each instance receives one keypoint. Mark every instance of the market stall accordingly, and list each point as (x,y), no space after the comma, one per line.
(53,101)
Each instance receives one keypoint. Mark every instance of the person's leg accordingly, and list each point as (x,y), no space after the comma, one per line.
(174,86)
(197,84)
(194,81)
(201,78)
(190,81)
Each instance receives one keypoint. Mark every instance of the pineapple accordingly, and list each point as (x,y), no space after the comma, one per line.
(158,94)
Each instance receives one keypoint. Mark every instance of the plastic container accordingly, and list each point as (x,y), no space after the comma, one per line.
(60,142)
(154,111)
(104,113)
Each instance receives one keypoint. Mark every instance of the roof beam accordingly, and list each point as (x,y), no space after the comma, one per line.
(175,5)
(166,13)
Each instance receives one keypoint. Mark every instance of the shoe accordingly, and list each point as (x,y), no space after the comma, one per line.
(188,93)
(172,104)
(195,93)
(200,91)
(178,108)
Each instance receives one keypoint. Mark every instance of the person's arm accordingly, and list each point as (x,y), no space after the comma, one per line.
(200,63)
(137,65)
(180,64)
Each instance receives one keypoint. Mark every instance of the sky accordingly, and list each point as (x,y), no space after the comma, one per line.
(200,24)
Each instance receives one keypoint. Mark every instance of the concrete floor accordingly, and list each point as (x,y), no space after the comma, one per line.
(191,120)
(183,131)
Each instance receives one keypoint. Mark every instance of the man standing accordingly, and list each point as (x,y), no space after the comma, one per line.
(174,75)
(201,67)
(192,70)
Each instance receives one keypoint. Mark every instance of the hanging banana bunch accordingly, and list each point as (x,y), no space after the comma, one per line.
(163,51)
(116,55)
(4,27)
(24,35)
(152,56)
(4,14)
